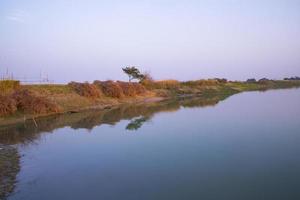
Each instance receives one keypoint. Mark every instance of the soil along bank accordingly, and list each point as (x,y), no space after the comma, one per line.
(22,102)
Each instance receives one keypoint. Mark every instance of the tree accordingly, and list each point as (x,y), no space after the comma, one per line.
(133,73)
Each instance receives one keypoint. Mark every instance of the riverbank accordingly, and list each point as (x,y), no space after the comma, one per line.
(69,100)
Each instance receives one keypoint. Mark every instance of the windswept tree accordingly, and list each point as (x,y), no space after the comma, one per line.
(133,73)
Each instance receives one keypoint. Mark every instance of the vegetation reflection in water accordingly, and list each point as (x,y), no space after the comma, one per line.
(27,133)
(137,114)
(237,160)
(9,168)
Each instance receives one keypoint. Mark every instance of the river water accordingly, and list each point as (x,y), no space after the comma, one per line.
(246,146)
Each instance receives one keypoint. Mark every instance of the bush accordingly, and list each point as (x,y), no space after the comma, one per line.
(110,88)
(7,105)
(27,102)
(7,86)
(139,88)
(86,89)
(127,88)
(131,89)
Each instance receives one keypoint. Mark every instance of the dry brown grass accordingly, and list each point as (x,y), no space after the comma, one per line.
(8,86)
(127,88)
(110,88)
(86,89)
(7,105)
(139,88)
(27,102)
(166,84)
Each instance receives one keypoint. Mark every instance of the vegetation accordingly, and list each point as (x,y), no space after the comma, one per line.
(138,114)
(7,105)
(131,89)
(34,100)
(120,89)
(86,89)
(7,86)
(295,78)
(110,88)
(25,101)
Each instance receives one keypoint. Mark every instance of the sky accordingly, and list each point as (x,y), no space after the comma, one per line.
(193,39)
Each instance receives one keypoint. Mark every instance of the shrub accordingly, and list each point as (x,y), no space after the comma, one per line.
(7,86)
(139,88)
(127,88)
(27,102)
(86,89)
(110,88)
(7,105)
(131,89)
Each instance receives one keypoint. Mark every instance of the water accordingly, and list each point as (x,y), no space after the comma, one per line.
(244,147)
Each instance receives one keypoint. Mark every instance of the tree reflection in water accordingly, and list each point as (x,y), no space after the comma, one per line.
(138,114)
(9,168)
(28,133)
(137,123)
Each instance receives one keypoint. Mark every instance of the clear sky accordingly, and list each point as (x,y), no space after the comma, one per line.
(191,39)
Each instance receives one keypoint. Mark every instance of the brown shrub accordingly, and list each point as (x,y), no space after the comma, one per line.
(110,88)
(86,89)
(127,88)
(7,105)
(139,88)
(27,102)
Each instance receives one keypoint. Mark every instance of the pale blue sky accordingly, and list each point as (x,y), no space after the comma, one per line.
(93,39)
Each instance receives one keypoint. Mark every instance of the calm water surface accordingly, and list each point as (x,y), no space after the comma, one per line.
(244,147)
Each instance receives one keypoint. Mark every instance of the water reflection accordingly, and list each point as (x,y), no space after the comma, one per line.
(137,114)
(135,124)
(9,168)
(244,148)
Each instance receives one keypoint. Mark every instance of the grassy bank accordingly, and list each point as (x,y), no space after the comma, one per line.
(21,102)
